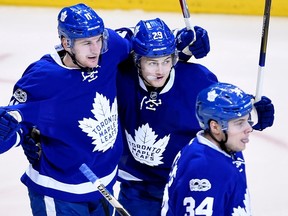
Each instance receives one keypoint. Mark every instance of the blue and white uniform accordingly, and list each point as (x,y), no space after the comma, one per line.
(77,115)
(205,180)
(157,124)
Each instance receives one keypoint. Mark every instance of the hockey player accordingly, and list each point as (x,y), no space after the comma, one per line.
(208,175)
(155,111)
(70,96)
(156,102)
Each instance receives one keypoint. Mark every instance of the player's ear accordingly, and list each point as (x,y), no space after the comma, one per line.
(215,128)
(64,43)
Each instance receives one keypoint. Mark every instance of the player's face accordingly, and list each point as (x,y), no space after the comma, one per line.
(156,70)
(238,133)
(87,51)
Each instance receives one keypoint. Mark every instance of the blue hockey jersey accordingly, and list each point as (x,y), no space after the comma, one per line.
(156,125)
(76,113)
(204,180)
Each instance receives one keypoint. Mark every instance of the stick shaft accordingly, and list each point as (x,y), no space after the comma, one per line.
(186,14)
(103,190)
(262,56)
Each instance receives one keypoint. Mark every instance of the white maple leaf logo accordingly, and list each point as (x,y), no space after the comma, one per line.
(246,211)
(174,169)
(144,147)
(104,128)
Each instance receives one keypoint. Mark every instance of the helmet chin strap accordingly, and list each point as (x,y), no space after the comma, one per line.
(146,82)
(140,74)
(221,142)
(84,69)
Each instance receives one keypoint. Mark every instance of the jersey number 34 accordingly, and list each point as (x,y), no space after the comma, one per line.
(205,207)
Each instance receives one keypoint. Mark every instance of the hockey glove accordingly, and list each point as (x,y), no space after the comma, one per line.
(126,33)
(199,48)
(265,111)
(31,146)
(8,125)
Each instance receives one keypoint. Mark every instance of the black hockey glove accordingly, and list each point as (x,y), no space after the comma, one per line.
(265,111)
(8,125)
(32,147)
(186,47)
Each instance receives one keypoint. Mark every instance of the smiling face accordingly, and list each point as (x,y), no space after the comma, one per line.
(155,71)
(86,51)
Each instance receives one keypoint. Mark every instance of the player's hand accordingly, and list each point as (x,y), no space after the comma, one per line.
(265,111)
(31,146)
(126,33)
(8,125)
(186,47)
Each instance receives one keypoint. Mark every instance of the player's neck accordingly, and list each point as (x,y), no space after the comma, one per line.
(68,62)
(211,139)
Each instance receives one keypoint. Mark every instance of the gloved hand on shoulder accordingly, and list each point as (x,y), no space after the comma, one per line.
(265,111)
(125,32)
(187,47)
(8,125)
(31,146)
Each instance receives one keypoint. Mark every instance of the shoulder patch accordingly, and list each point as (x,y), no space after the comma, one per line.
(199,185)
(20,95)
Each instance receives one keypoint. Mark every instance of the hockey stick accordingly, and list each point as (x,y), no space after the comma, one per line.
(186,15)
(262,57)
(102,189)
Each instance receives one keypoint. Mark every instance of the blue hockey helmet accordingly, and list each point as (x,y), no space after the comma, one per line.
(222,102)
(152,38)
(79,21)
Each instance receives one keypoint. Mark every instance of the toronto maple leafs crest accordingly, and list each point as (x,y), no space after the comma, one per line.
(144,146)
(103,128)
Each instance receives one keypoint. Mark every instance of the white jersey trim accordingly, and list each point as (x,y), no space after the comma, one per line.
(82,188)
(50,206)
(203,140)
(127,176)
